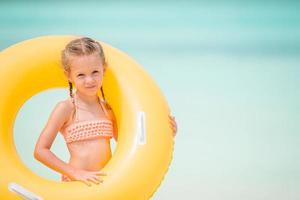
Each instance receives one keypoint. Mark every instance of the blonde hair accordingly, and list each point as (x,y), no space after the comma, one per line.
(80,47)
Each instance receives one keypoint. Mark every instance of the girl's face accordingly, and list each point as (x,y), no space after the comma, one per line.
(86,73)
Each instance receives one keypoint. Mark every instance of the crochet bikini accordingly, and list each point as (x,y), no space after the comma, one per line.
(86,129)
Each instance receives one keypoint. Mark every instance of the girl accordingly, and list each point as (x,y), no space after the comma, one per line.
(86,121)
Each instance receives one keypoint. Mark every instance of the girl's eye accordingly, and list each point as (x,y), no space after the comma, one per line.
(80,75)
(94,72)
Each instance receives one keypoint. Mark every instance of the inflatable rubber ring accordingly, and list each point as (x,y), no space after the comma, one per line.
(145,143)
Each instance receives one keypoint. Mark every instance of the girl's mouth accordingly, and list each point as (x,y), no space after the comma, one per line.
(91,87)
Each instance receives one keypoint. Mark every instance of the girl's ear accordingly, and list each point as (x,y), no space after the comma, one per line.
(104,66)
(68,75)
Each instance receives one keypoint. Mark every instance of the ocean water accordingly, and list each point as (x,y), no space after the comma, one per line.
(229,70)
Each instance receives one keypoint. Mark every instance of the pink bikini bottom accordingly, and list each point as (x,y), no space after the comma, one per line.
(64,178)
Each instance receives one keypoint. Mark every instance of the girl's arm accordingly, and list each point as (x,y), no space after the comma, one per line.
(173,124)
(113,118)
(42,152)
(115,127)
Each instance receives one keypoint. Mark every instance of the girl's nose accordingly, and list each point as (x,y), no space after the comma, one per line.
(89,79)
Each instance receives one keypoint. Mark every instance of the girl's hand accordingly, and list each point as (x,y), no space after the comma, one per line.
(87,177)
(173,124)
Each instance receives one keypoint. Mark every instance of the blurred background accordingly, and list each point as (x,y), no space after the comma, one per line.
(230,72)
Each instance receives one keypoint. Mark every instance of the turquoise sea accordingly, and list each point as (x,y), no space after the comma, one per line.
(230,71)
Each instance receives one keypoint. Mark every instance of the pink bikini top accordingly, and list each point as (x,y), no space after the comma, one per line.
(87,129)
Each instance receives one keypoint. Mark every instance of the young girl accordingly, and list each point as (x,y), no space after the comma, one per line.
(86,121)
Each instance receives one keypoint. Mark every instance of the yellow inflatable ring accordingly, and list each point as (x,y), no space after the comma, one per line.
(145,144)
